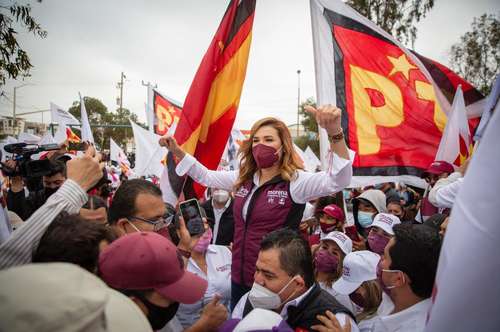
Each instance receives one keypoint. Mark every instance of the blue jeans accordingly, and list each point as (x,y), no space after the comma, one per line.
(237,291)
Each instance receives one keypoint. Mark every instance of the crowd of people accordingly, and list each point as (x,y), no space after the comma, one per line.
(276,248)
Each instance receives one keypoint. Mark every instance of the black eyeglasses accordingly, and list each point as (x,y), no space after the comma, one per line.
(159,223)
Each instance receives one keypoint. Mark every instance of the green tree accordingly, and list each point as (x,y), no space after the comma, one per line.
(311,137)
(397,17)
(15,62)
(98,114)
(477,56)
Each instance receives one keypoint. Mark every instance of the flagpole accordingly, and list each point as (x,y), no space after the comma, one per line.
(298,100)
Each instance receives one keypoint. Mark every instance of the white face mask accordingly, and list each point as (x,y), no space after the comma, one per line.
(263,298)
(221,196)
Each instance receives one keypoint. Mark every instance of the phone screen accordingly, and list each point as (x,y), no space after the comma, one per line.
(76,146)
(191,213)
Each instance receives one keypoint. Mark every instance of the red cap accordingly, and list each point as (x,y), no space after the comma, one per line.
(334,211)
(146,260)
(439,167)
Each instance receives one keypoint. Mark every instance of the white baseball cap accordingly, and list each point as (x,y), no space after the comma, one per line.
(59,297)
(386,222)
(342,240)
(358,267)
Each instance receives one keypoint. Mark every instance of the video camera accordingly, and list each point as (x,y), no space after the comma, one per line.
(25,166)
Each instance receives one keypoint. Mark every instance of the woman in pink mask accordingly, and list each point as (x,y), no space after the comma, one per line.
(213,263)
(329,257)
(270,188)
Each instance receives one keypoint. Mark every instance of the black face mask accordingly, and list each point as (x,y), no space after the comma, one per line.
(47,192)
(158,316)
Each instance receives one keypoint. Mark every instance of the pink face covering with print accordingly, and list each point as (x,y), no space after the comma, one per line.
(265,156)
(204,241)
(325,262)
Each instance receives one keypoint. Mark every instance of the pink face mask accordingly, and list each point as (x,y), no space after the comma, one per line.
(203,242)
(377,243)
(325,262)
(265,156)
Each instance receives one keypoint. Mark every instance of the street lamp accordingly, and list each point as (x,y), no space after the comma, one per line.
(14,104)
(298,100)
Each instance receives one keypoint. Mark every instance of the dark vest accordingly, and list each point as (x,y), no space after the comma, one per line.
(226,223)
(270,208)
(317,302)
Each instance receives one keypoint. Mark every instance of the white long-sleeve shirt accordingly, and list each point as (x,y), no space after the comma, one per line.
(18,248)
(304,187)
(445,190)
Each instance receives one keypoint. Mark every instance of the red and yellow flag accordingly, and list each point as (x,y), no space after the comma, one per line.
(211,104)
(394,101)
(71,136)
(166,112)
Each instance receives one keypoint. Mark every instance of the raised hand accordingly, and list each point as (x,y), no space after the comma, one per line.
(328,117)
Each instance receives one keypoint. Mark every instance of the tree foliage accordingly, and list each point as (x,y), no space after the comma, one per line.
(477,56)
(14,61)
(311,137)
(397,17)
(98,114)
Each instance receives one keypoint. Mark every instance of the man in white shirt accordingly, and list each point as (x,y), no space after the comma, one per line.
(406,273)
(284,283)
(219,211)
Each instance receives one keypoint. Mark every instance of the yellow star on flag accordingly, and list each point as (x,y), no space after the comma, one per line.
(402,65)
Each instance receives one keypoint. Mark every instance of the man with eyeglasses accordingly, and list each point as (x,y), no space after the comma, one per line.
(138,206)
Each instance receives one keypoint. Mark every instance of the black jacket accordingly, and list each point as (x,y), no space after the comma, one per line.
(25,206)
(317,302)
(226,226)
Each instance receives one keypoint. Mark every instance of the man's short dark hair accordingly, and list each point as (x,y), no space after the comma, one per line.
(416,253)
(57,166)
(295,254)
(123,204)
(72,239)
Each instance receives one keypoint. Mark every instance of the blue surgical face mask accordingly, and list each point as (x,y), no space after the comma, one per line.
(365,218)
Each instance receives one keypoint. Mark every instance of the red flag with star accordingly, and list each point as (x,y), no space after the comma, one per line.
(393,115)
(166,113)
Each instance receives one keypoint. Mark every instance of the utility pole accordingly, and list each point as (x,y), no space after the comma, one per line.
(14,105)
(298,100)
(149,108)
(120,86)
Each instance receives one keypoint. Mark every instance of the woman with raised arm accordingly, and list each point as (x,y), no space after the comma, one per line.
(270,187)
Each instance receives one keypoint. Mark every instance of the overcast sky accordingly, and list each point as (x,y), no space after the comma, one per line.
(91,42)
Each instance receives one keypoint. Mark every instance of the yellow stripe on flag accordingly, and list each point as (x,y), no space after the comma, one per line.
(224,93)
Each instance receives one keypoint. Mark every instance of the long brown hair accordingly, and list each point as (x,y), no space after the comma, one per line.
(289,163)
(372,298)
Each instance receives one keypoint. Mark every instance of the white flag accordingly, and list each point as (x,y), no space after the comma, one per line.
(467,294)
(29,138)
(148,153)
(86,131)
(456,128)
(61,135)
(59,115)
(118,155)
(47,139)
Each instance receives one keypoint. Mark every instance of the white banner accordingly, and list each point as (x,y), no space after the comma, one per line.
(59,115)
(86,131)
(467,293)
